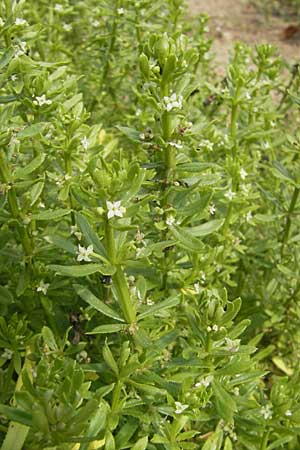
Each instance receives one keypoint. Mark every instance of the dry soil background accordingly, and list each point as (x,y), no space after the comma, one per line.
(233,20)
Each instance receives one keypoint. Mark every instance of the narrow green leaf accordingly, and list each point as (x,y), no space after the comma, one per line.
(185,239)
(141,444)
(16,415)
(224,402)
(92,300)
(194,167)
(23,172)
(62,243)
(49,338)
(90,236)
(36,191)
(279,442)
(161,306)
(214,442)
(206,228)
(82,270)
(51,214)
(71,102)
(32,130)
(110,360)
(104,329)
(15,436)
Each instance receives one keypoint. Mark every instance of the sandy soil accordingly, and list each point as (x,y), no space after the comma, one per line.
(233,20)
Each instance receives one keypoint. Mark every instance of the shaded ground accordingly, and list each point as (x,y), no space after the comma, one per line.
(233,20)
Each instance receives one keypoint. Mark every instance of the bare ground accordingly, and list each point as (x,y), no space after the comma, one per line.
(237,20)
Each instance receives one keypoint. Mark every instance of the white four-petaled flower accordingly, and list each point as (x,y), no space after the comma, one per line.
(19,21)
(180,407)
(173,102)
(230,194)
(40,101)
(114,209)
(85,142)
(43,287)
(243,174)
(120,11)
(7,354)
(84,253)
(212,209)
(266,412)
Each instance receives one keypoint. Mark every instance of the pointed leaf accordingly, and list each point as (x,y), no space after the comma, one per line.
(82,270)
(92,300)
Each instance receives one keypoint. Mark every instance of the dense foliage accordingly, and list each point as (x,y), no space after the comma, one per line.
(149,257)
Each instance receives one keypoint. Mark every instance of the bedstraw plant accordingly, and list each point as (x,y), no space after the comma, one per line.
(148,226)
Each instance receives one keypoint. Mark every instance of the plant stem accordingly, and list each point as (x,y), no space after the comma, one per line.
(110,47)
(265,440)
(233,129)
(288,218)
(13,206)
(119,279)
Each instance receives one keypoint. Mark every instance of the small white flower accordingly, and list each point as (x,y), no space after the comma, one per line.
(205,143)
(40,101)
(58,7)
(209,328)
(243,174)
(7,354)
(245,188)
(140,252)
(197,287)
(248,95)
(84,253)
(20,22)
(142,136)
(205,381)
(173,102)
(120,11)
(14,77)
(139,236)
(82,356)
(1,22)
(43,287)
(288,413)
(21,49)
(212,209)
(215,327)
(266,412)
(176,144)
(249,216)
(230,194)
(236,391)
(232,345)
(114,209)
(85,142)
(170,220)
(138,112)
(41,205)
(95,23)
(67,27)
(74,230)
(180,407)
(149,302)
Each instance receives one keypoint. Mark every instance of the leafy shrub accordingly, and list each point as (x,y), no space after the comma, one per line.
(142,198)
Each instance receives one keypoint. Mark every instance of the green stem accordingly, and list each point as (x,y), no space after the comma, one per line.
(13,205)
(265,439)
(68,169)
(233,132)
(288,218)
(110,47)
(119,279)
